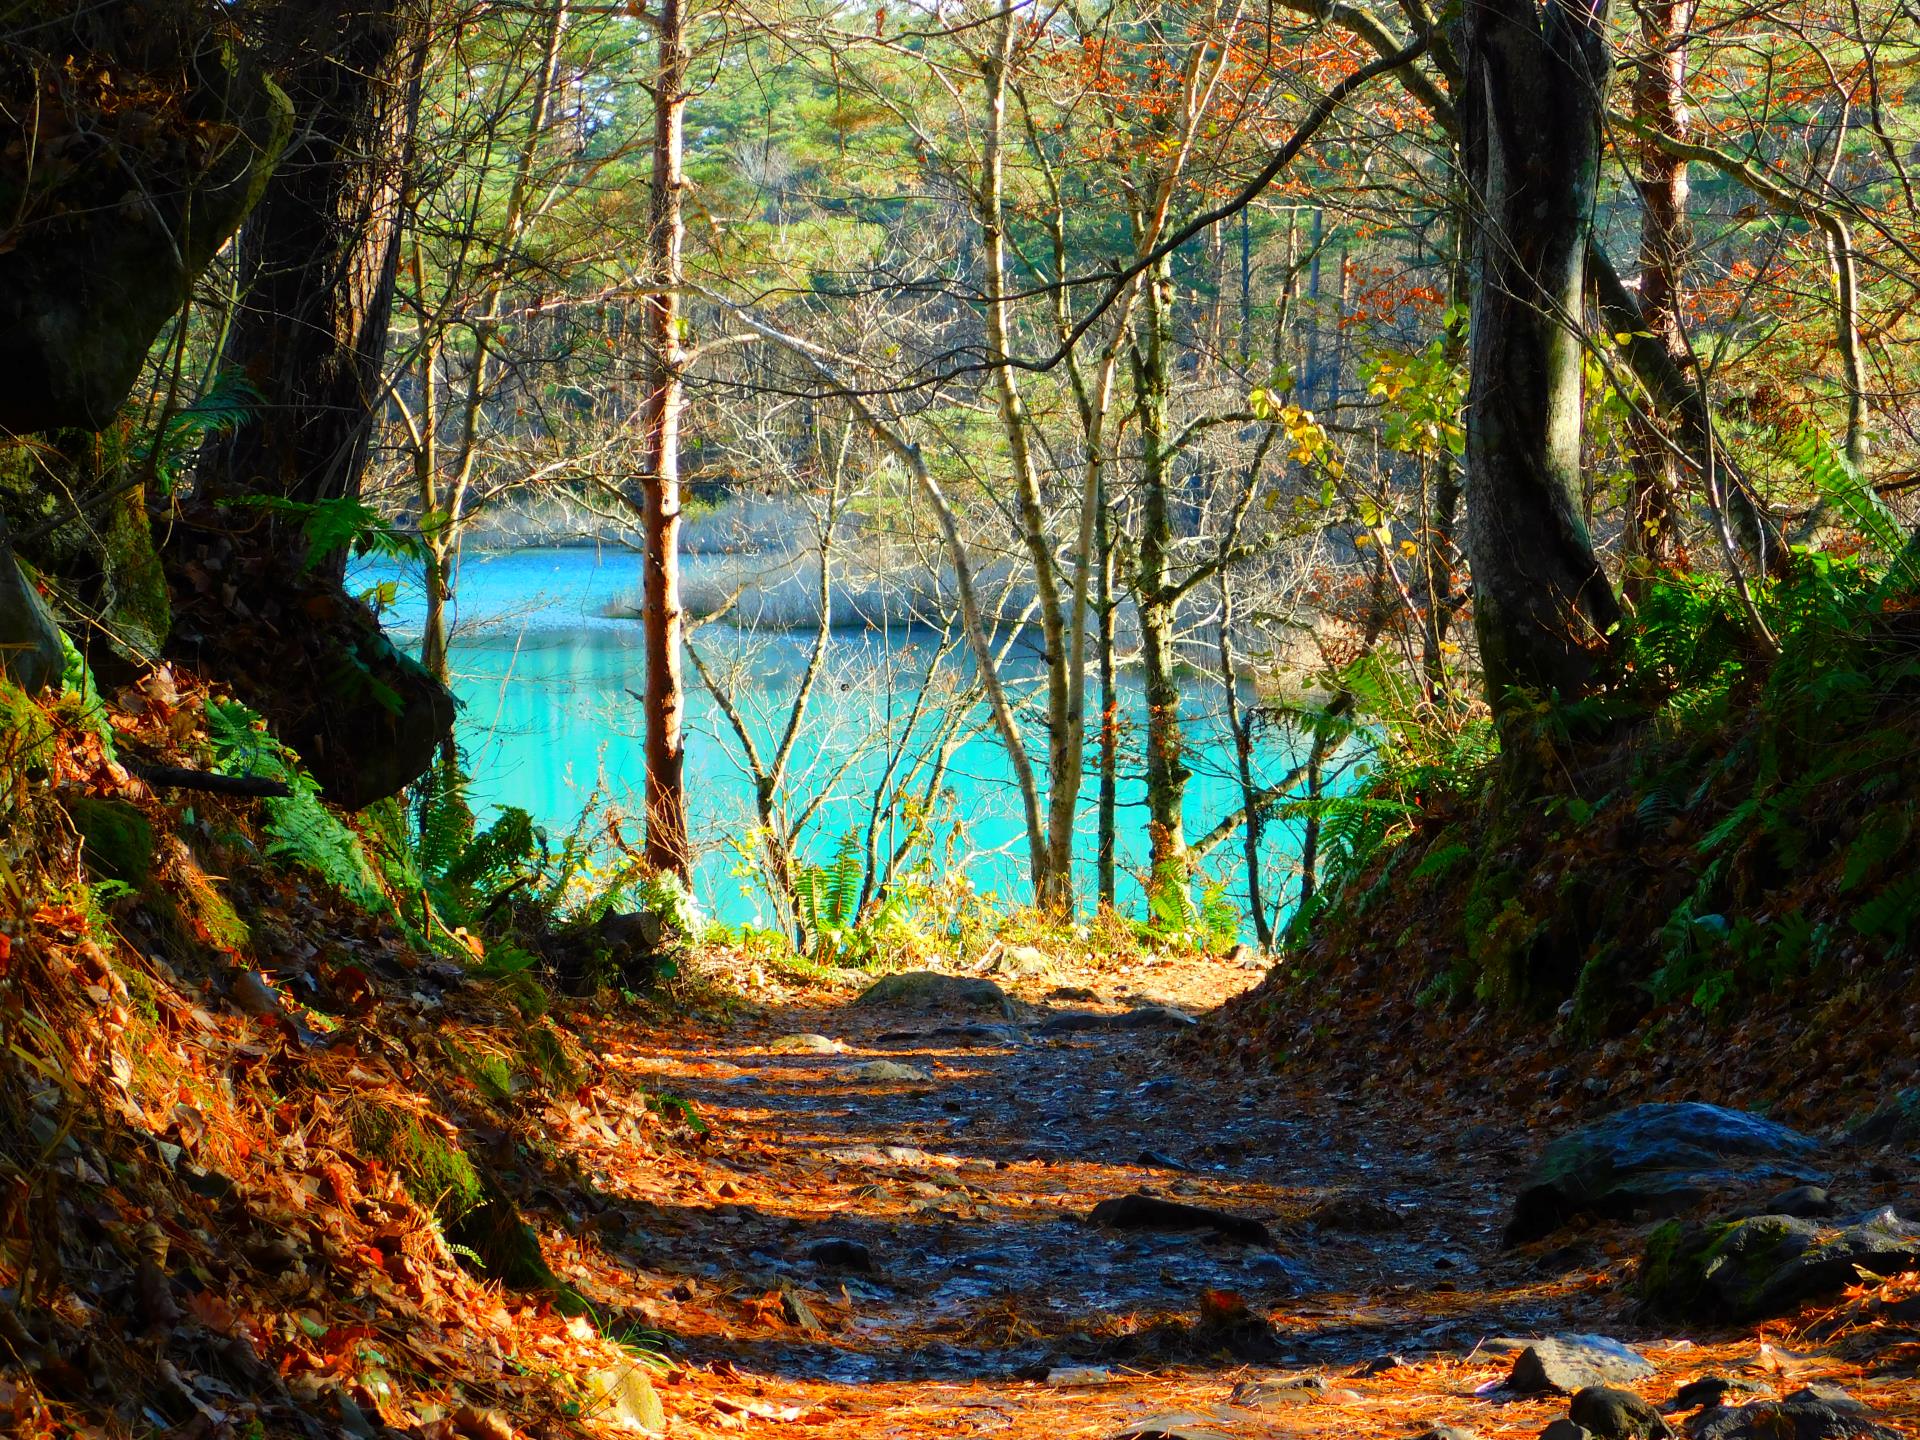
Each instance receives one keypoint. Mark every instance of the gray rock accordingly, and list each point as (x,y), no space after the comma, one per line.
(1610,1413)
(1021,962)
(1804,1202)
(889,1072)
(1359,1213)
(968,1034)
(1277,1392)
(1652,1160)
(1146,1017)
(1896,1122)
(30,652)
(1712,1389)
(807,1045)
(1564,1429)
(930,990)
(1825,1392)
(1446,1432)
(1179,1426)
(1570,1363)
(1768,1264)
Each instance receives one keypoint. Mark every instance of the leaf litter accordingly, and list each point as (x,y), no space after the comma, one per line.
(223,1215)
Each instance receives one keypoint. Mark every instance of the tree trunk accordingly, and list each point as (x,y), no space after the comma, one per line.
(1659,103)
(664,623)
(1531,144)
(1109,755)
(1240,727)
(317,260)
(1155,592)
(1053,878)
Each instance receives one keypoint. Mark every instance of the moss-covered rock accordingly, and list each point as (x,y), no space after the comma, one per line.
(435,1171)
(119,839)
(1651,1160)
(1763,1265)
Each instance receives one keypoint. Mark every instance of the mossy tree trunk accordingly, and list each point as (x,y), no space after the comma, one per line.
(317,259)
(1535,93)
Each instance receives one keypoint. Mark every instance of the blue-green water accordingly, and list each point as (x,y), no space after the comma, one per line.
(546,680)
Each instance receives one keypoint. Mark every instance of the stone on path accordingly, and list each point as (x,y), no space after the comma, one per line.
(974,1034)
(1021,962)
(1146,1017)
(1080,1375)
(1446,1432)
(1182,1426)
(1277,1392)
(1568,1363)
(889,1072)
(1150,1212)
(1361,1214)
(1610,1413)
(931,990)
(1804,1202)
(1652,1160)
(807,1045)
(839,1254)
(1710,1390)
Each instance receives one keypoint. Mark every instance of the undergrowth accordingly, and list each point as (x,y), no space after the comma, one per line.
(1744,825)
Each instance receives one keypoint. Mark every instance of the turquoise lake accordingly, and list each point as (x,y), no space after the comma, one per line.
(545,673)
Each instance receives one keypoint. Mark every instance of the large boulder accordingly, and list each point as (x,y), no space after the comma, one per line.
(1653,1160)
(154,134)
(1768,1264)
(930,990)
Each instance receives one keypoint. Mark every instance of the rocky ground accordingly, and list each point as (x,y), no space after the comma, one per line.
(911,1215)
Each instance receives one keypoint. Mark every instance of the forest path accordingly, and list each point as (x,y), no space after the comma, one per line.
(992,1306)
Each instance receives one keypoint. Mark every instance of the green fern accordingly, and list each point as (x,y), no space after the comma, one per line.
(300,829)
(1843,487)
(1441,861)
(342,523)
(1891,914)
(1881,838)
(220,411)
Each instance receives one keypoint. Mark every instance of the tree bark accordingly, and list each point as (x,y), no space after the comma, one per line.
(1053,879)
(1660,104)
(1531,145)
(1154,588)
(664,622)
(1240,727)
(317,260)
(1108,759)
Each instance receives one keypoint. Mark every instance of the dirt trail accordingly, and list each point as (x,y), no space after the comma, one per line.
(993,1307)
